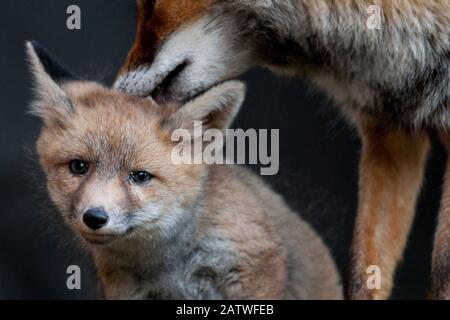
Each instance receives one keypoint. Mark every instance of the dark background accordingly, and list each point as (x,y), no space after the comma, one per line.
(318,156)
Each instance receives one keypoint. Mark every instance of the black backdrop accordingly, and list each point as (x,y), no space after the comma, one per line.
(318,156)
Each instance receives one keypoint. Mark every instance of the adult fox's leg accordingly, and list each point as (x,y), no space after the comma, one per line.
(440,273)
(391,173)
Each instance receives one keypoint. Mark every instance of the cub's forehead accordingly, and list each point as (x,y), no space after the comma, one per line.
(98,107)
(109,124)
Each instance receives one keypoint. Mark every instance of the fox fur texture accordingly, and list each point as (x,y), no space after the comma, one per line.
(184,232)
(392,83)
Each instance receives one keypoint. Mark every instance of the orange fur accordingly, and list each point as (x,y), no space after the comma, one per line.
(168,15)
(391,174)
(440,276)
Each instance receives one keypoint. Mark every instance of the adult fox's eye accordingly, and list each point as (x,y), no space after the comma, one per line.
(140,177)
(78,167)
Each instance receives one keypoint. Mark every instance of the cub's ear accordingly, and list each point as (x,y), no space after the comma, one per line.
(215,108)
(51,102)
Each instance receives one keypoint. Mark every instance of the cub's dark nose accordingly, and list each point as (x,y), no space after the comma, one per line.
(95,218)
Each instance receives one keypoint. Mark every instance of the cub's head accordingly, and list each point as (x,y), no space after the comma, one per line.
(107,156)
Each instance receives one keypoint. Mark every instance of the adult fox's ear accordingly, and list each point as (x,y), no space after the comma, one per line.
(51,102)
(215,109)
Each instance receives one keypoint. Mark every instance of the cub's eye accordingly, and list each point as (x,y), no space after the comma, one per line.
(140,177)
(78,167)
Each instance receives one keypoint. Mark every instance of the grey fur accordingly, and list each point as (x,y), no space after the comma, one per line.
(399,74)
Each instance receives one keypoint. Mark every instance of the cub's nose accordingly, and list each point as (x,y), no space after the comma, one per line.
(95,218)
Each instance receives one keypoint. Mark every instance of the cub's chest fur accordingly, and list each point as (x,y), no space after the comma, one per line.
(177,271)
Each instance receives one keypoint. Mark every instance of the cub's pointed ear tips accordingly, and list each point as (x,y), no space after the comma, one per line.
(30,49)
(235,85)
(226,94)
(34,61)
(35,53)
(41,60)
(30,44)
(234,90)
(34,49)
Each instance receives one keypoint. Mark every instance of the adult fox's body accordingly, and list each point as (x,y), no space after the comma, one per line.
(392,82)
(157,229)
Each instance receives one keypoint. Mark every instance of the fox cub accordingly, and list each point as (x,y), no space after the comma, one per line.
(157,230)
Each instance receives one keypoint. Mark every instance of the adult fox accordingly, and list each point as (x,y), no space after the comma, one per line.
(393,84)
